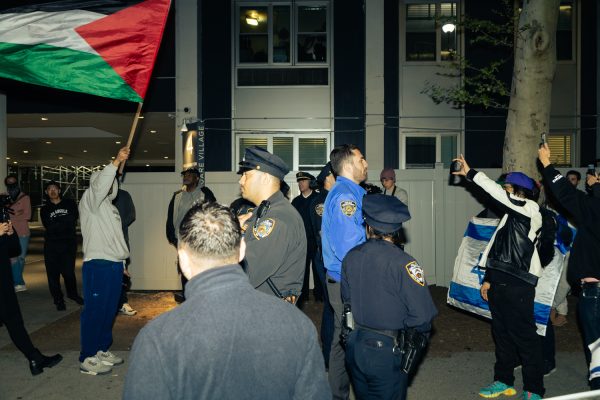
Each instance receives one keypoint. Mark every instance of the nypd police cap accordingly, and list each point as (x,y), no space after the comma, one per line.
(257,158)
(384,213)
(304,176)
(325,171)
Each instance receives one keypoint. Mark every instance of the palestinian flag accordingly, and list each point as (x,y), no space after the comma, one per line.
(105,48)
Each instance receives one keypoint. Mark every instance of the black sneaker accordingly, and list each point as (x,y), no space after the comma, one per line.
(61,306)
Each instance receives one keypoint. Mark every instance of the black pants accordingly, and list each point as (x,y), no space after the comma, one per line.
(59,257)
(310,253)
(10,313)
(514,331)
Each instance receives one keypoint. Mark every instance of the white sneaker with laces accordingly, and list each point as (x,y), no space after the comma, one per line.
(93,366)
(127,310)
(20,288)
(108,358)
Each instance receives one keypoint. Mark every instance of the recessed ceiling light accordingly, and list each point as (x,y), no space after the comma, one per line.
(8,158)
(147,165)
(44,119)
(145,151)
(25,151)
(152,131)
(112,158)
(48,142)
(85,151)
(117,142)
(60,158)
(141,117)
(14,162)
(165,157)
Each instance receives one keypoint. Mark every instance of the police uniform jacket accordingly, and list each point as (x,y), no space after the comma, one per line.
(276,247)
(342,227)
(302,204)
(316,214)
(386,288)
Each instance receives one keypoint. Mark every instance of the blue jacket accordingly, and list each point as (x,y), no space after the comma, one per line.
(342,227)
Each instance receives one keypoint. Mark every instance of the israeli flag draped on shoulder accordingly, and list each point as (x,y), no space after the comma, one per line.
(468,276)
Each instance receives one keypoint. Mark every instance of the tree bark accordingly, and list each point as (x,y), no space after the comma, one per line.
(531,90)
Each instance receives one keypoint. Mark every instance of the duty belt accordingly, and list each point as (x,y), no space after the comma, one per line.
(393,333)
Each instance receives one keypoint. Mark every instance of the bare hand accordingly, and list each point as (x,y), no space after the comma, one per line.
(591,180)
(6,228)
(126,273)
(484,290)
(121,156)
(544,155)
(243,219)
(464,170)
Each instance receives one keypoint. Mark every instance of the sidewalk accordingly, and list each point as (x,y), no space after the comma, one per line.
(459,362)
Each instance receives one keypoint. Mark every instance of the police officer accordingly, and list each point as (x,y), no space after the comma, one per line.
(342,229)
(274,231)
(325,181)
(388,296)
(302,204)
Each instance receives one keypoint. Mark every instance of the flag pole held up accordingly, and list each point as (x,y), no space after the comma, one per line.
(132,133)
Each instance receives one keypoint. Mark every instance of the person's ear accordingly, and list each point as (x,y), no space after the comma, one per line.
(185,262)
(242,250)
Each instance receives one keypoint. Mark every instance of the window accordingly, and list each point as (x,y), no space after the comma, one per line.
(560,148)
(564,31)
(268,31)
(431,32)
(424,151)
(300,151)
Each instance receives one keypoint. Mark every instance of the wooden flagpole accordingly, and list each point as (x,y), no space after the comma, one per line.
(132,133)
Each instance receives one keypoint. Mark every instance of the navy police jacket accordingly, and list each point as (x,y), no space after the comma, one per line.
(386,288)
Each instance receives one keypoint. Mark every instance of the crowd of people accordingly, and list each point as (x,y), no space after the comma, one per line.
(245,276)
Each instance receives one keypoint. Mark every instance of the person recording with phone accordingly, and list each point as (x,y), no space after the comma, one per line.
(584,262)
(512,268)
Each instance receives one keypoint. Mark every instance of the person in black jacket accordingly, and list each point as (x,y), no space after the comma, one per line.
(584,262)
(59,217)
(388,296)
(190,194)
(512,267)
(10,312)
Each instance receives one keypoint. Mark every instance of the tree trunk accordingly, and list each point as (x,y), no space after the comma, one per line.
(531,91)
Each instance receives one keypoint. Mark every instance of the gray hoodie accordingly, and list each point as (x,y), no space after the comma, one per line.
(100,221)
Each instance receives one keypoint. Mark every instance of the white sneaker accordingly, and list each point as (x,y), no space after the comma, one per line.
(93,366)
(127,310)
(109,358)
(20,288)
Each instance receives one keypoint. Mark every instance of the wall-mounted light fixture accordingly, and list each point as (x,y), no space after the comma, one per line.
(448,27)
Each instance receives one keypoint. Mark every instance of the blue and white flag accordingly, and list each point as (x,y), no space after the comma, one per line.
(468,277)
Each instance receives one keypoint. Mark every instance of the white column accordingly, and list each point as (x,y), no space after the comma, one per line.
(3,139)
(186,69)
(374,86)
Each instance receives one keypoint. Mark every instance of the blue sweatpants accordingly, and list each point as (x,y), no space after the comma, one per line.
(101,290)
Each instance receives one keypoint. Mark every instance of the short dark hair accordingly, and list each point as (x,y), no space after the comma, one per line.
(340,156)
(576,173)
(211,230)
(9,177)
(51,183)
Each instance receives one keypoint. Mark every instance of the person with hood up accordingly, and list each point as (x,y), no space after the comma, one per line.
(104,255)
(512,268)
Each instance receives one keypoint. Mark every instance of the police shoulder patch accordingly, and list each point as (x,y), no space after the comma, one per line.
(415,272)
(348,207)
(264,228)
(319,209)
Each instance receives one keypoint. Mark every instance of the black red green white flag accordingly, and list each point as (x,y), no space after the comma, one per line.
(105,48)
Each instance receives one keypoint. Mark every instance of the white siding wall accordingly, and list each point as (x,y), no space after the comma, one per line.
(439,216)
